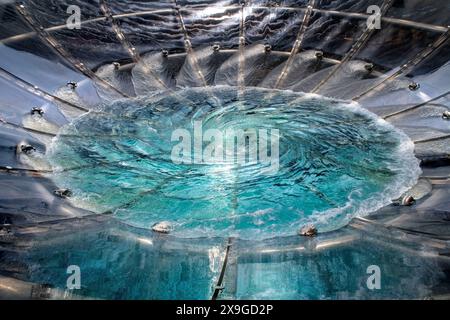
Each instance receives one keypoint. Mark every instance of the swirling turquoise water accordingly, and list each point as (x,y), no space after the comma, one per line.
(336,161)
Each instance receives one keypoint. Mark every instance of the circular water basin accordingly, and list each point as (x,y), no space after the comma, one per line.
(219,162)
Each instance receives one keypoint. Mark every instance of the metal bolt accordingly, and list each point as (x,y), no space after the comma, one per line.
(408,201)
(308,231)
(414,86)
(216,47)
(63,193)
(37,110)
(319,55)
(162,227)
(369,67)
(72,85)
(27,149)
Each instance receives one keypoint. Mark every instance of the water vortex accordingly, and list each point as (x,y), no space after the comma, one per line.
(336,161)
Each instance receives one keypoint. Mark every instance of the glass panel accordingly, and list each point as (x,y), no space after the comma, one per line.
(122,6)
(16,105)
(331,34)
(119,264)
(338,272)
(33,61)
(277,3)
(435,61)
(424,11)
(358,6)
(394,45)
(11,23)
(277,27)
(153,32)
(213,25)
(206,5)
(50,13)
(94,44)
